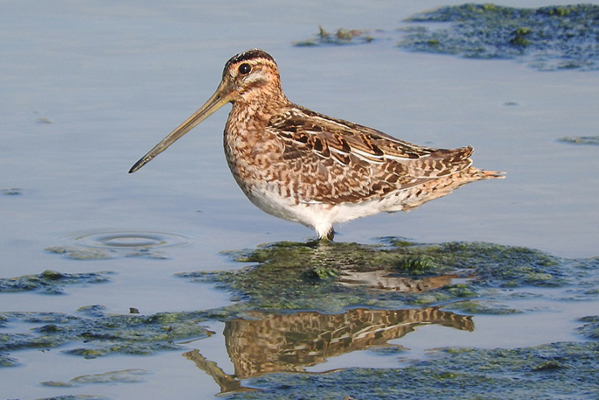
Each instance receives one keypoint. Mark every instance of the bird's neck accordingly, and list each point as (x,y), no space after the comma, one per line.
(261,104)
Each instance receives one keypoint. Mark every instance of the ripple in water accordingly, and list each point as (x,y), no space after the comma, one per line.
(129,240)
(102,245)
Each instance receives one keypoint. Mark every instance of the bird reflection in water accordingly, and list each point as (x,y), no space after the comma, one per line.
(264,343)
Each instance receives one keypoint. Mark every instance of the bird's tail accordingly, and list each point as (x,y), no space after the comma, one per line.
(492,174)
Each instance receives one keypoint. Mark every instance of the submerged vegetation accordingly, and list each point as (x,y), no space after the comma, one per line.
(12,191)
(580,139)
(591,327)
(50,282)
(124,376)
(566,370)
(548,38)
(335,276)
(340,37)
(370,294)
(87,253)
(99,334)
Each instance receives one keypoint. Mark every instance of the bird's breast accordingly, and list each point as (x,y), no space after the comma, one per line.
(254,155)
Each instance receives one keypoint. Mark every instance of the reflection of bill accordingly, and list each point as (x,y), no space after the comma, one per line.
(268,342)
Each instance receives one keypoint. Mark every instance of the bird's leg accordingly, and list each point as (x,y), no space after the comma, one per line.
(330,235)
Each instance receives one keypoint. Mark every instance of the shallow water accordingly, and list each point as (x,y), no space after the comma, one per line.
(88,88)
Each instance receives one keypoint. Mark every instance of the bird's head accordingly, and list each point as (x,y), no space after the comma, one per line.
(248,77)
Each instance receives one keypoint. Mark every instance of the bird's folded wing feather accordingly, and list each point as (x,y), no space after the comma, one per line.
(373,162)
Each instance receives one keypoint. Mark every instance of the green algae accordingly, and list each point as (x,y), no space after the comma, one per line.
(84,253)
(419,265)
(50,282)
(591,328)
(123,376)
(76,253)
(6,361)
(340,37)
(101,335)
(19,341)
(580,139)
(130,348)
(550,38)
(470,278)
(569,370)
(388,350)
(95,310)
(483,307)
(12,191)
(330,277)
(507,266)
(320,273)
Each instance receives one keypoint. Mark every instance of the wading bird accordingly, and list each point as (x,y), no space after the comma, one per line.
(303,166)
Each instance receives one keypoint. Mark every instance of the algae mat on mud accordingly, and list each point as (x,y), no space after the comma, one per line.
(298,304)
(560,370)
(335,276)
(556,37)
(98,334)
(50,282)
(547,38)
(331,277)
(419,279)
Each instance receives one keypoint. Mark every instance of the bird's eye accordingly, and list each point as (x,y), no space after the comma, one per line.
(245,68)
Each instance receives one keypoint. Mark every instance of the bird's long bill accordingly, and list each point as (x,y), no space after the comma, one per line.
(218,99)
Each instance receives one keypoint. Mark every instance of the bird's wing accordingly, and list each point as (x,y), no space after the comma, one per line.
(358,161)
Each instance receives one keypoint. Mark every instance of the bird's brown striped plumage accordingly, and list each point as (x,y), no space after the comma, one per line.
(303,166)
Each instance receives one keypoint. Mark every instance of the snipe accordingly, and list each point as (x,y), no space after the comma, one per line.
(303,166)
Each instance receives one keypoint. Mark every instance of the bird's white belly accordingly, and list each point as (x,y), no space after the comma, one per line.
(320,216)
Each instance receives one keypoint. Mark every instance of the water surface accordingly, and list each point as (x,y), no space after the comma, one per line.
(88,88)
